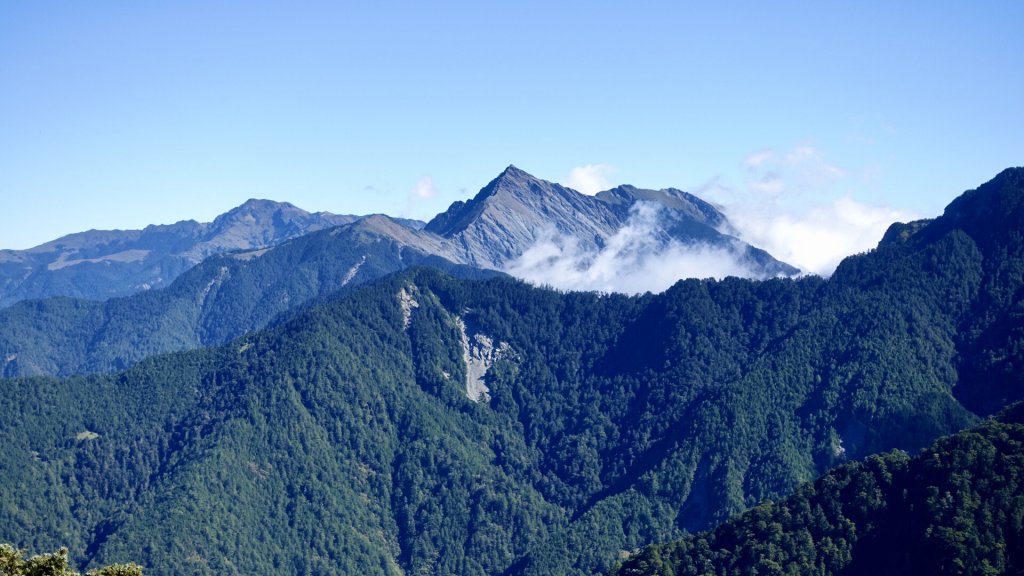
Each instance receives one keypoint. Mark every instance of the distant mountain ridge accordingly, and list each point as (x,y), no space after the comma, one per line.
(101,264)
(213,302)
(500,223)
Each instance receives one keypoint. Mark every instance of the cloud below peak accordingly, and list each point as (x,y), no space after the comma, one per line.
(795,204)
(639,258)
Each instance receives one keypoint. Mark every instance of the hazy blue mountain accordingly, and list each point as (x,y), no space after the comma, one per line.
(426,424)
(101,264)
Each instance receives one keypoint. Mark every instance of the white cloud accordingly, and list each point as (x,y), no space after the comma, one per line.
(800,168)
(424,188)
(589,179)
(792,207)
(810,164)
(758,159)
(638,258)
(769,184)
(817,239)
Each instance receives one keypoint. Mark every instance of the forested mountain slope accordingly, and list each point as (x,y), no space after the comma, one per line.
(425,424)
(955,508)
(222,298)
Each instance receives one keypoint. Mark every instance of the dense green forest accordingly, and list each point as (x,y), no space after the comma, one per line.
(955,508)
(342,440)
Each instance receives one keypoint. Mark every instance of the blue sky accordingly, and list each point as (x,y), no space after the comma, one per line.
(120,114)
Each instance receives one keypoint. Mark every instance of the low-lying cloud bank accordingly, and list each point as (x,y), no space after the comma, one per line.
(817,239)
(638,258)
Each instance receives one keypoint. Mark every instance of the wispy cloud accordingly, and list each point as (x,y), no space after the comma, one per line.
(424,188)
(755,160)
(639,258)
(810,163)
(768,184)
(799,168)
(589,179)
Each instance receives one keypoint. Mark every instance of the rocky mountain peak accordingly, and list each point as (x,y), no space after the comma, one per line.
(257,209)
(512,193)
(516,210)
(512,180)
(513,175)
(256,223)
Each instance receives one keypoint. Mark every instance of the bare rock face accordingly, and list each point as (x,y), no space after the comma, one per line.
(512,212)
(479,352)
(407,301)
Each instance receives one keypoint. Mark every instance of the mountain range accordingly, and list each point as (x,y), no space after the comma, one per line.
(101,264)
(243,289)
(433,424)
(502,221)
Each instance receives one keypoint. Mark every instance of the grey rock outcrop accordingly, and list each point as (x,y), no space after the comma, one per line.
(512,212)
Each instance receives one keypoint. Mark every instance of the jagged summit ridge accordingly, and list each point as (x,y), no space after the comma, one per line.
(512,213)
(513,186)
(672,198)
(516,210)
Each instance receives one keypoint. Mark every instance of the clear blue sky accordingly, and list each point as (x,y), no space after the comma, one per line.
(117,114)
